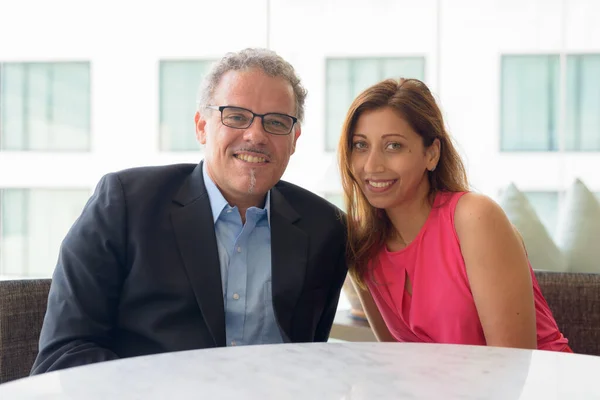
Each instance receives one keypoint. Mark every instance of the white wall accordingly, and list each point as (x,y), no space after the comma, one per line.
(475,34)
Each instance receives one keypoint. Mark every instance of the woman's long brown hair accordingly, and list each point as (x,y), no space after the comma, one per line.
(369,227)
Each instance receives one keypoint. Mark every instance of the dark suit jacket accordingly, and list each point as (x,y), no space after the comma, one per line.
(138,273)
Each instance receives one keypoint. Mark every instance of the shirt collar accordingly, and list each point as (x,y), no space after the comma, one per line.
(218,202)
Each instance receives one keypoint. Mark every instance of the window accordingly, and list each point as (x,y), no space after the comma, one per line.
(531,98)
(45,106)
(583,103)
(346,78)
(530,103)
(179,83)
(33,223)
(336,199)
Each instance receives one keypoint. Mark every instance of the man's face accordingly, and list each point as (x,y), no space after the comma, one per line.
(246,163)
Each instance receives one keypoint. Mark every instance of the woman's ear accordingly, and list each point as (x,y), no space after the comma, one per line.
(433,154)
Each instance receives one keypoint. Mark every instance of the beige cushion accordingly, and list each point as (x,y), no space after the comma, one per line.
(579,229)
(541,249)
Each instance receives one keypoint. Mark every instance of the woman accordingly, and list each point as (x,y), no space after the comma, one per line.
(431,261)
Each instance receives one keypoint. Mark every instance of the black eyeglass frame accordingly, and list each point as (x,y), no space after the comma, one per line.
(254,115)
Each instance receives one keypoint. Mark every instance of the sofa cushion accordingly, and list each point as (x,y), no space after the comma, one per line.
(574,300)
(542,251)
(579,229)
(22,310)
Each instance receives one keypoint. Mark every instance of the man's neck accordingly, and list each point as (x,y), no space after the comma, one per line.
(245,203)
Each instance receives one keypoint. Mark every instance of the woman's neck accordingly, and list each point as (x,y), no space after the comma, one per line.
(409,217)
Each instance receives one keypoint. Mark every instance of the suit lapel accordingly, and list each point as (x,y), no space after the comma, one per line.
(195,234)
(289,252)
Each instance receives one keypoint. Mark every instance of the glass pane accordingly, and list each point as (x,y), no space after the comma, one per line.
(45,106)
(335,199)
(33,224)
(339,97)
(365,73)
(12,110)
(179,82)
(70,107)
(13,215)
(38,100)
(410,67)
(338,71)
(530,103)
(346,78)
(583,103)
(13,231)
(545,205)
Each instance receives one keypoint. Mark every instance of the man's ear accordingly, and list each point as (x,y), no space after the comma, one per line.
(200,127)
(296,133)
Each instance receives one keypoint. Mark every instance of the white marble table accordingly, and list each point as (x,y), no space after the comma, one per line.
(326,371)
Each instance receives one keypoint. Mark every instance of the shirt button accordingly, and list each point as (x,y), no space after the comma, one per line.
(239,249)
(236,296)
(228,211)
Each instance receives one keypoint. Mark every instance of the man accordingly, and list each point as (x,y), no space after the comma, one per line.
(221,253)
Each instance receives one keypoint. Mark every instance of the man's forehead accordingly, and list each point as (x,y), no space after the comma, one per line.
(255,89)
(243,81)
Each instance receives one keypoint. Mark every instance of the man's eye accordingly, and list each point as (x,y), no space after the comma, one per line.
(275,124)
(237,118)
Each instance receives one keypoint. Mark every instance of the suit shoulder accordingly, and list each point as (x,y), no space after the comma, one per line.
(165,179)
(305,200)
(154,172)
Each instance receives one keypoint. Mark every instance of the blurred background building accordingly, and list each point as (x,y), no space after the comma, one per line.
(87,88)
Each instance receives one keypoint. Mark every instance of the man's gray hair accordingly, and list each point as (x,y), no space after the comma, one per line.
(266,60)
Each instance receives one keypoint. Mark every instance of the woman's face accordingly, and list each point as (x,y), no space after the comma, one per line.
(388,158)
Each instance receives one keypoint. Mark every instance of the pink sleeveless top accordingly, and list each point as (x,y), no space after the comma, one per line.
(441,308)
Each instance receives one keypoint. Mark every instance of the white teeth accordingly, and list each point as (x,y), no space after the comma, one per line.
(251,159)
(380,184)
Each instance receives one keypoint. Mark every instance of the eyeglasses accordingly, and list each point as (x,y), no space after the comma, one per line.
(241,118)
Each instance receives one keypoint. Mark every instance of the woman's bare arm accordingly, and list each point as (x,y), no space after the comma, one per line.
(498,272)
(376,321)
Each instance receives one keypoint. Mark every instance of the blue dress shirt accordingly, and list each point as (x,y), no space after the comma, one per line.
(245,258)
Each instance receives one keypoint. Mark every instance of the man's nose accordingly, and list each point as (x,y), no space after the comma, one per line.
(255,133)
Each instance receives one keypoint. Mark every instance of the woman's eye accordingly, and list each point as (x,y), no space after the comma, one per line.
(359,145)
(394,146)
